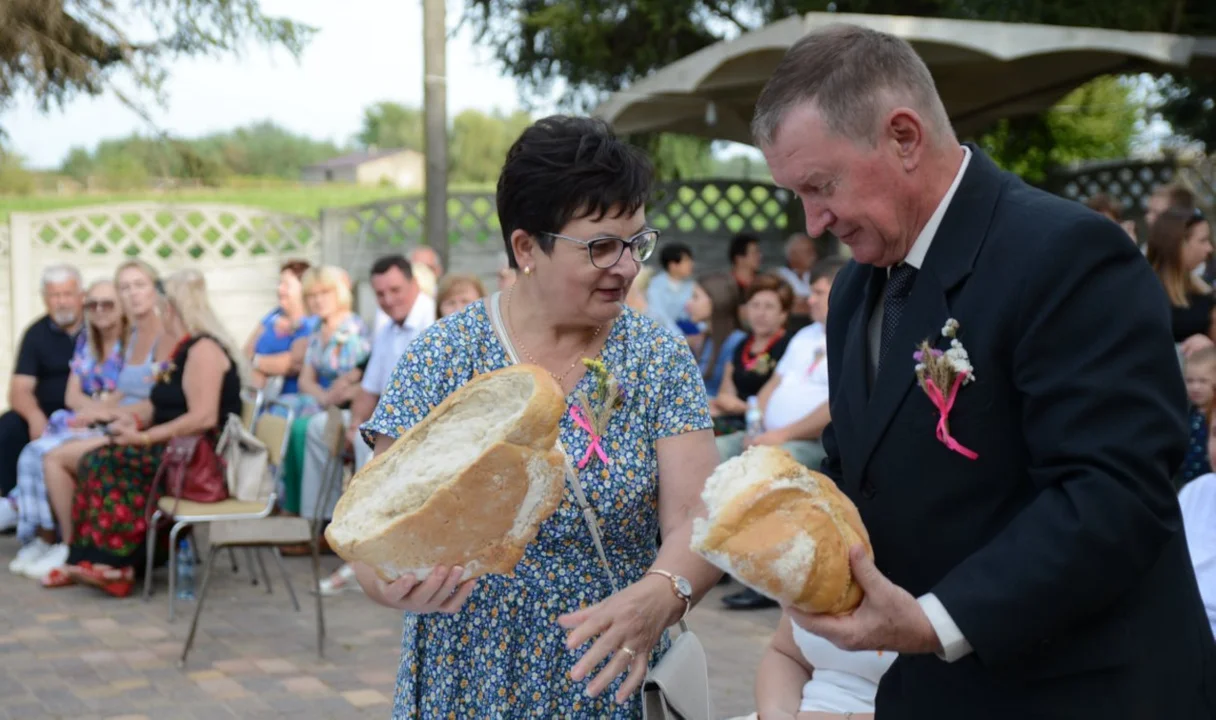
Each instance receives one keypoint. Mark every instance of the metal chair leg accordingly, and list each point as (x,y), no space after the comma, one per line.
(278,558)
(151,551)
(232,558)
(198,608)
(316,591)
(253,571)
(257,553)
(173,533)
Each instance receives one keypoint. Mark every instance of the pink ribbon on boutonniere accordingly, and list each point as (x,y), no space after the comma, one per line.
(944,404)
(594,446)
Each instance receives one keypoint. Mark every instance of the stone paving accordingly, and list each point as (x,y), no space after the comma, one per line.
(74,653)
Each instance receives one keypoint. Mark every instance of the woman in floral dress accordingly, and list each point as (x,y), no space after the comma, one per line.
(554,640)
(193,395)
(91,387)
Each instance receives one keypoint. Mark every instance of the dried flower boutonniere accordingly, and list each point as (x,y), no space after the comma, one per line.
(594,420)
(941,374)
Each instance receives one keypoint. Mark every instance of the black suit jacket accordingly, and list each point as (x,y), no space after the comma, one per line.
(1059,551)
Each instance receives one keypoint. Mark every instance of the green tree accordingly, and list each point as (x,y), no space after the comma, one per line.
(1097,121)
(78,165)
(479,144)
(391,125)
(15,179)
(599,46)
(57,49)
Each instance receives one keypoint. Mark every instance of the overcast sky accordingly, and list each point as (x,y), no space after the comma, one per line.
(363,52)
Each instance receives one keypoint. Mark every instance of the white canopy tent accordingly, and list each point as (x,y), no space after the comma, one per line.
(984,70)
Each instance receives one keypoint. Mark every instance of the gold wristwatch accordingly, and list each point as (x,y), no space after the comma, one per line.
(680,586)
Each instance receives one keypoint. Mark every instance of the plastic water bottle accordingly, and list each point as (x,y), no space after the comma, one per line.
(754,418)
(185,570)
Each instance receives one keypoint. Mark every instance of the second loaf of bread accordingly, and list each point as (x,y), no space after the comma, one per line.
(783,530)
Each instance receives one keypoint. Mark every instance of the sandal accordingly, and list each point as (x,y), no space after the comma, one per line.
(340,581)
(58,577)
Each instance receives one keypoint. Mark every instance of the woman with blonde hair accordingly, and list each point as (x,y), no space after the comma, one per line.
(193,394)
(144,345)
(92,387)
(1179,242)
(330,374)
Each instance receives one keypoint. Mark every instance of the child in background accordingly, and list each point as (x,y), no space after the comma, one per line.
(1200,373)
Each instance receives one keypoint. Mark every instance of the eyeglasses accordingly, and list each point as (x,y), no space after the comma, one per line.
(95,305)
(606,251)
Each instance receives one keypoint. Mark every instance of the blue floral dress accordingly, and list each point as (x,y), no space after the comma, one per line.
(503,655)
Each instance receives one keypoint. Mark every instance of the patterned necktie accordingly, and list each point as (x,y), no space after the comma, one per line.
(895,297)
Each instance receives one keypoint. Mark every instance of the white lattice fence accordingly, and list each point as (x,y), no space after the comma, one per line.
(238,249)
(7,356)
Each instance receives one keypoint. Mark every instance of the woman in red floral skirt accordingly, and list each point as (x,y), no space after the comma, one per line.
(194,393)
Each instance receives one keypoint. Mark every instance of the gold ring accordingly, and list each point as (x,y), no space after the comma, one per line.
(632,655)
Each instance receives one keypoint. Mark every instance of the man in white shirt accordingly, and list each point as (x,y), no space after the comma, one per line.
(410,312)
(795,399)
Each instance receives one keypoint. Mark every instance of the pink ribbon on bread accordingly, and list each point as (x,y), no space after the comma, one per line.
(944,404)
(594,446)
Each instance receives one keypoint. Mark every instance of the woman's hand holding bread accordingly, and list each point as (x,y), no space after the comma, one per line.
(440,592)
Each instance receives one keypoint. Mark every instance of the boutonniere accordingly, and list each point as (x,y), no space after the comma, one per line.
(762,364)
(941,374)
(593,419)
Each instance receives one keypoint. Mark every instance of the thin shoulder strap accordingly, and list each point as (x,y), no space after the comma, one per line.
(494,310)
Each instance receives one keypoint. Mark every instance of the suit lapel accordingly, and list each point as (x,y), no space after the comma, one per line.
(950,259)
(855,367)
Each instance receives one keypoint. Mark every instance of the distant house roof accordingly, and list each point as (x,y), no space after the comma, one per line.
(356,159)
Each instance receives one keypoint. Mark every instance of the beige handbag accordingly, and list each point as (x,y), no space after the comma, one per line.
(677,688)
(246,461)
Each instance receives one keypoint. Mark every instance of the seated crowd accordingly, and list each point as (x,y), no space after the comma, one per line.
(116,369)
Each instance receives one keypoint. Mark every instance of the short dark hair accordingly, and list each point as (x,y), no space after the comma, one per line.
(388,262)
(295,267)
(672,253)
(773,284)
(739,245)
(562,168)
(1176,195)
(827,268)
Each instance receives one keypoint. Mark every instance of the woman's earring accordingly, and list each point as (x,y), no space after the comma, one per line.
(527,270)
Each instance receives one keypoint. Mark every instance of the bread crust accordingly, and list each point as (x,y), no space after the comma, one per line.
(756,535)
(469,519)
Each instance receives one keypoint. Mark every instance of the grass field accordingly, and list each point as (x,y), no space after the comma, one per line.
(305,200)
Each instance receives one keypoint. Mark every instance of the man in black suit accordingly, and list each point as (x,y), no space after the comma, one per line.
(1029,556)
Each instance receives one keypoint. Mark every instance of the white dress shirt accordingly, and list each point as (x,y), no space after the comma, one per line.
(954,645)
(803,370)
(800,284)
(392,340)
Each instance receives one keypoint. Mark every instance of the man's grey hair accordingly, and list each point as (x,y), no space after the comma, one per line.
(56,274)
(795,239)
(853,75)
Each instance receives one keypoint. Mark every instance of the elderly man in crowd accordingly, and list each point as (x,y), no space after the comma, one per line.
(40,377)
(800,257)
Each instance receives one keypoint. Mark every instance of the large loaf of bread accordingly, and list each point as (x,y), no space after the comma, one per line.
(468,485)
(782,530)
